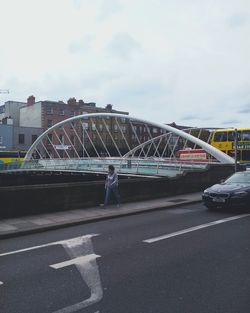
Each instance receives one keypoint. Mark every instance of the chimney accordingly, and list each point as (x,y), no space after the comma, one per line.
(109,107)
(72,101)
(31,100)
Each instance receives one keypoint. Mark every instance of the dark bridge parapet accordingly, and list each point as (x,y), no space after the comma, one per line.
(33,199)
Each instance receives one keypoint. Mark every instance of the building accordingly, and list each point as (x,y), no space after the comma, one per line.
(6,136)
(45,114)
(11,109)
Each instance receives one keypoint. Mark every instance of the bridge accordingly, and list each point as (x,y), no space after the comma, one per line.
(135,146)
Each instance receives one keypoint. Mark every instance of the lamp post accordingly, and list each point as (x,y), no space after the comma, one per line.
(235,149)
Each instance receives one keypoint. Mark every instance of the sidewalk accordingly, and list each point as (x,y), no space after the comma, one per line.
(14,227)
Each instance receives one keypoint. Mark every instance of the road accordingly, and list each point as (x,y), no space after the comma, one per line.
(182,260)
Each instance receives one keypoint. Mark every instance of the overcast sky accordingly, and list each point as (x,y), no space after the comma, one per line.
(183,61)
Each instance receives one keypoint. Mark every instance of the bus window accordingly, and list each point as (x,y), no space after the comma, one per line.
(220,136)
(231,135)
(246,135)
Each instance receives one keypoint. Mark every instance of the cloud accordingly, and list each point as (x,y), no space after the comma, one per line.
(245,109)
(83,45)
(237,20)
(123,46)
(108,9)
(231,122)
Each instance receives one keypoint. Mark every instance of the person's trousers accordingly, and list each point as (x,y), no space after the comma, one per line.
(113,191)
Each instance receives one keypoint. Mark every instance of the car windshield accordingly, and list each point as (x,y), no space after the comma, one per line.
(239,178)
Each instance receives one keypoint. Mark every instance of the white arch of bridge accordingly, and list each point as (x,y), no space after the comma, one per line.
(217,154)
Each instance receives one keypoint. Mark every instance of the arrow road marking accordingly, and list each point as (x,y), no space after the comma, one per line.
(188,230)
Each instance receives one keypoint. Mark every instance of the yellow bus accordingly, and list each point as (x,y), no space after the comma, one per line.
(224,140)
(11,156)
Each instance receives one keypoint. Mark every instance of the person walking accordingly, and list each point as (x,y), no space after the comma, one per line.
(111,186)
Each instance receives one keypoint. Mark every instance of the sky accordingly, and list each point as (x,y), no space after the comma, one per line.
(182,61)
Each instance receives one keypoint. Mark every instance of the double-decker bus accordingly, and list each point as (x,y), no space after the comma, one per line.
(11,156)
(224,140)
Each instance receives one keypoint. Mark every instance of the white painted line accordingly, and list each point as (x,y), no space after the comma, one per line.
(80,260)
(49,244)
(188,230)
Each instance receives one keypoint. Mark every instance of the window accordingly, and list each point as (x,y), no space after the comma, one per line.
(246,135)
(231,135)
(93,126)
(85,118)
(61,112)
(72,139)
(1,140)
(33,138)
(124,129)
(220,136)
(101,127)
(86,126)
(115,128)
(61,138)
(50,123)
(21,139)
(49,110)
(50,136)
(155,130)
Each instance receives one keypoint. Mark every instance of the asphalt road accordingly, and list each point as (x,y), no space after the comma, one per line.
(172,261)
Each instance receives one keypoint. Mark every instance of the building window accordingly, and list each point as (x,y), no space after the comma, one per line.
(61,112)
(124,129)
(49,110)
(21,139)
(33,138)
(61,138)
(86,126)
(50,123)
(93,127)
(72,139)
(115,128)
(101,127)
(155,130)
(50,137)
(1,140)
(85,118)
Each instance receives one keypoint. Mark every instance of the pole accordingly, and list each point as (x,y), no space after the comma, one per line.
(235,149)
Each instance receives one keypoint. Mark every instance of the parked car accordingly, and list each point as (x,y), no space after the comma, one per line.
(233,192)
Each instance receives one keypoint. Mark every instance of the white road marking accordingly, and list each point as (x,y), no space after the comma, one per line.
(81,253)
(48,245)
(188,230)
(80,260)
